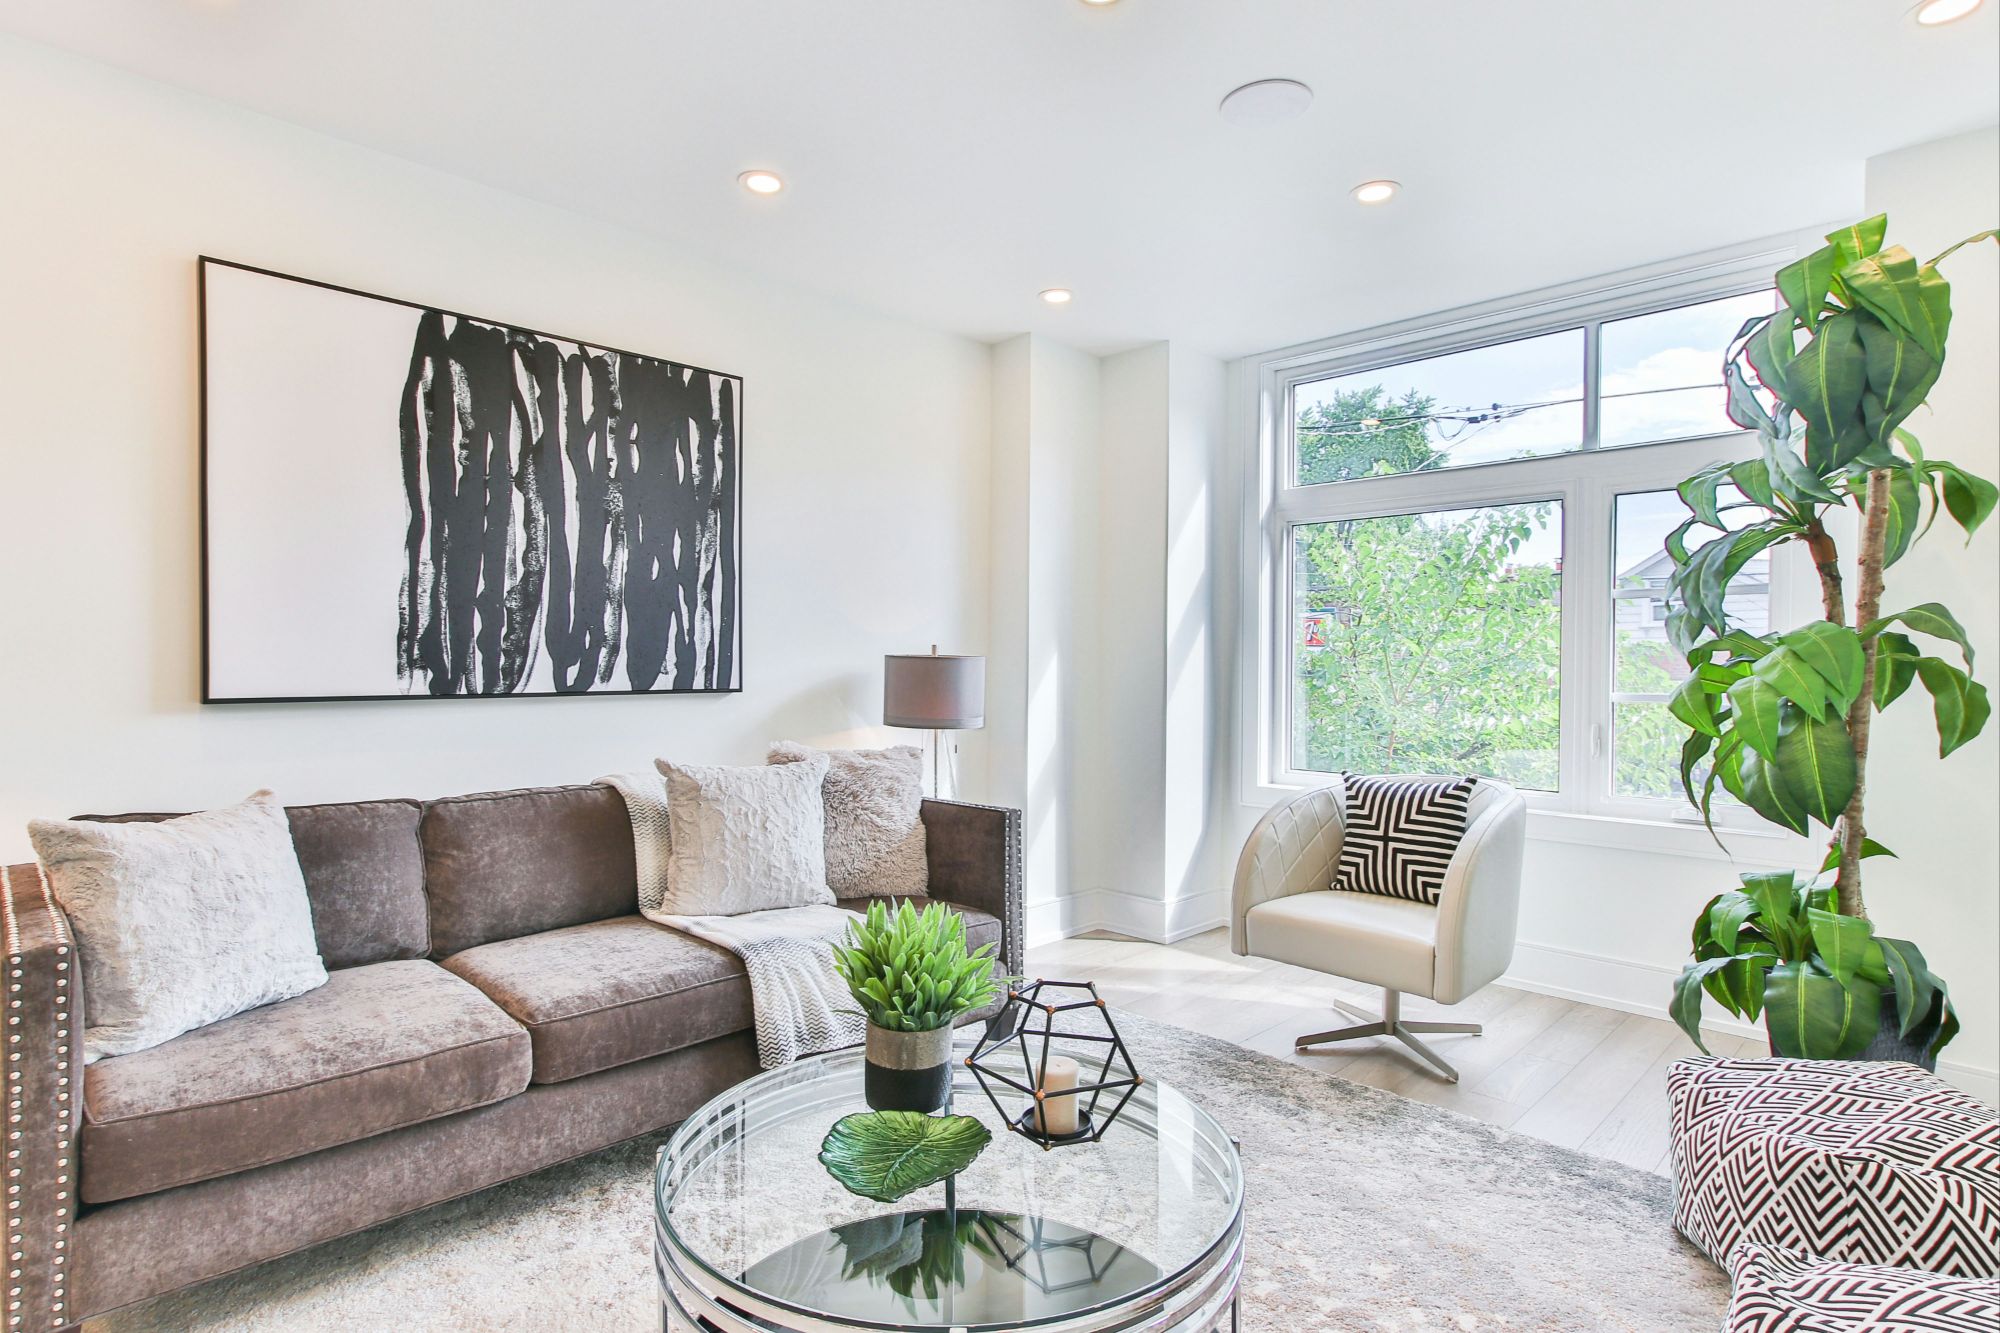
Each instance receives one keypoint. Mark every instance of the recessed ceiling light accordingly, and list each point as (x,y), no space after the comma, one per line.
(1934,12)
(761,182)
(1057,295)
(1266,102)
(1100,4)
(1375,192)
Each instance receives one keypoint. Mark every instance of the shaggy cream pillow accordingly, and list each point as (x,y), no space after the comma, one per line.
(744,839)
(181,923)
(874,818)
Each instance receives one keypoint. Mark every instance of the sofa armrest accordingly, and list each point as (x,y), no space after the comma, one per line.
(1295,848)
(44,1097)
(975,861)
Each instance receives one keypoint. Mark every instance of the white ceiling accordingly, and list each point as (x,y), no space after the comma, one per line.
(948,159)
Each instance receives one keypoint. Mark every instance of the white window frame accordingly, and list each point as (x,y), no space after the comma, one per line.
(1586,481)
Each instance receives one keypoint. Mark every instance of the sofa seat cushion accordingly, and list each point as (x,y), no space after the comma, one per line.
(607,993)
(376,1048)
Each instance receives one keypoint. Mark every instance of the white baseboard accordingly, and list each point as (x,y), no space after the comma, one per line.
(1644,988)
(1132,914)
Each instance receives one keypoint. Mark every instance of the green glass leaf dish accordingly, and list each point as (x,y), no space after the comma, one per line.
(883,1155)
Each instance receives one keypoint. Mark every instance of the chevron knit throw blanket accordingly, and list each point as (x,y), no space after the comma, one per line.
(802,1006)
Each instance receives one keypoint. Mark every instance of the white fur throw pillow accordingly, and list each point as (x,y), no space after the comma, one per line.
(181,923)
(744,839)
(874,818)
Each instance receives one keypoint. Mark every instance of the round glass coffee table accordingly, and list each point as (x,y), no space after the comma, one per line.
(1142,1229)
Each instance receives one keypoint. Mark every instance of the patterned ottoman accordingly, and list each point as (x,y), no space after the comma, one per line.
(1779,1291)
(1877,1163)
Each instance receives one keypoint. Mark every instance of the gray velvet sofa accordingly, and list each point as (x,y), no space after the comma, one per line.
(495,1006)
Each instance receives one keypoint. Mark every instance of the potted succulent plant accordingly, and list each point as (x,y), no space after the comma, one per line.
(913,977)
(1781,721)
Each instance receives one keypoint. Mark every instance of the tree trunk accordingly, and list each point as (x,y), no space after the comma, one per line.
(1826,559)
(1867,607)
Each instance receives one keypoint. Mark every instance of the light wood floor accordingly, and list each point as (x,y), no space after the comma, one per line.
(1575,1074)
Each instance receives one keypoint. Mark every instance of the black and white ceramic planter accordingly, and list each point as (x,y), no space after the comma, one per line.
(908,1071)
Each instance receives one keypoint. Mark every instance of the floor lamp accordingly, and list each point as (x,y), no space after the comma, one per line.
(934,693)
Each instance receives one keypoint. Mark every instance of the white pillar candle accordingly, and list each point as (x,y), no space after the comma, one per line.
(1058,1114)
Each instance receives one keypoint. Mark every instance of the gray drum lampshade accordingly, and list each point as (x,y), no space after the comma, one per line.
(934,693)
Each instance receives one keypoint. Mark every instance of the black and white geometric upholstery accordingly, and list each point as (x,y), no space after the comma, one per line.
(1866,1163)
(1783,1291)
(1400,835)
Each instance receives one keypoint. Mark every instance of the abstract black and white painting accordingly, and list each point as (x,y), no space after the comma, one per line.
(400,501)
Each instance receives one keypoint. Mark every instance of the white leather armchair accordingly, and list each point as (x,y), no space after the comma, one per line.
(1286,909)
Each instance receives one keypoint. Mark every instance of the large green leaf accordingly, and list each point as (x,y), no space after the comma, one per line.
(1745,408)
(1825,382)
(1842,941)
(1790,675)
(1958,701)
(1779,913)
(1760,785)
(1900,373)
(1967,498)
(1738,986)
(1913,300)
(883,1155)
(1834,651)
(1812,1016)
(1756,709)
(1804,283)
(1895,666)
(1903,516)
(1916,988)
(1869,847)
(1791,477)
(1816,763)
(1929,618)
(1693,750)
(1698,493)
(1725,918)
(1693,704)
(1858,240)
(1685,1008)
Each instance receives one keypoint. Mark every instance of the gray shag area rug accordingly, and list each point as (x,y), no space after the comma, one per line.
(1365,1210)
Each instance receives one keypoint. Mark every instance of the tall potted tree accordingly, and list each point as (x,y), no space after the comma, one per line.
(1782,721)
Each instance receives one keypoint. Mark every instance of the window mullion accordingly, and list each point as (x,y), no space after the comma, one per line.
(1593,372)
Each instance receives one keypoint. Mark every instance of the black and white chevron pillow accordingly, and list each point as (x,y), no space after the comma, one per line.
(1784,1291)
(1401,834)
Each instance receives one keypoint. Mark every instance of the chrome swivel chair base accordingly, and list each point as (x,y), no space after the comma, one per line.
(1390,1024)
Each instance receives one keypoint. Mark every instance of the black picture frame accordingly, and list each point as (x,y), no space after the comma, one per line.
(735,518)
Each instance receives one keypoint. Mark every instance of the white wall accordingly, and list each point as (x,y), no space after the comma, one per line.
(1040,674)
(866,460)
(1943,817)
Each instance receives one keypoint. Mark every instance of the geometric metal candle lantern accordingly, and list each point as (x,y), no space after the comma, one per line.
(1028,1025)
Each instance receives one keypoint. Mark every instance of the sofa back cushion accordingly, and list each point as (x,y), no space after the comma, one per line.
(364,872)
(499,865)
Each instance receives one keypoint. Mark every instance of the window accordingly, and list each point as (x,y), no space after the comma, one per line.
(1466,570)
(1517,399)
(1646,741)
(1430,643)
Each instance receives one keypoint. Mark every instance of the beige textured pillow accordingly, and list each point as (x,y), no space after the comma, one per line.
(874,818)
(181,923)
(745,839)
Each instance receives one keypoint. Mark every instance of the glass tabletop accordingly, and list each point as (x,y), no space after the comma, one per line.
(1022,1237)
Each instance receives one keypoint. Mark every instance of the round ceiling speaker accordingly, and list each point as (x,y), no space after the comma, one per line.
(1266,102)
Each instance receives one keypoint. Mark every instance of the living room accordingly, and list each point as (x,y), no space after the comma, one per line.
(1406,595)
